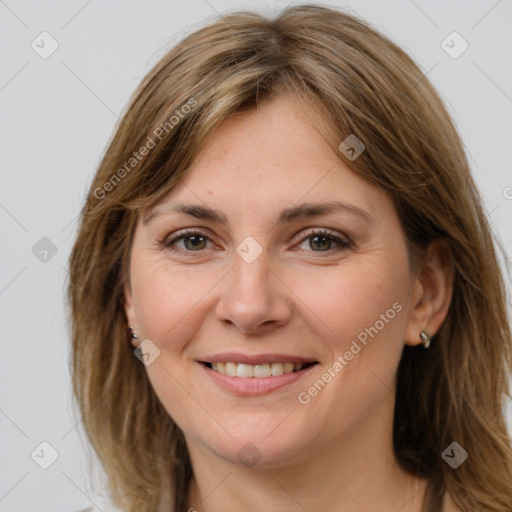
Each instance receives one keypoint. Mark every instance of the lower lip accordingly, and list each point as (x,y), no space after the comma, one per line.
(254,386)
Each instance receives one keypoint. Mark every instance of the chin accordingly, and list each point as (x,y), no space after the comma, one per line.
(264,442)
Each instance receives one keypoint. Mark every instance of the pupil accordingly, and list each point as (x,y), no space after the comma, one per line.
(320,245)
(195,241)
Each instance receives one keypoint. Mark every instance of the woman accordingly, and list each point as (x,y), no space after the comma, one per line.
(285,228)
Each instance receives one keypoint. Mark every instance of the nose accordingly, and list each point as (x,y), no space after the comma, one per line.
(254,298)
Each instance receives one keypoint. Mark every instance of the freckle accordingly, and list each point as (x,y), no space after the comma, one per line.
(209,191)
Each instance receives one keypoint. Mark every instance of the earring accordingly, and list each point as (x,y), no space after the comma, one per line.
(133,334)
(425,338)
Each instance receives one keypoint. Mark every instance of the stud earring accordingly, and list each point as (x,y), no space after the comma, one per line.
(133,334)
(425,338)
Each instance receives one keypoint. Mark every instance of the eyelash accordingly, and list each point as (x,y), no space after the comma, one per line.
(332,236)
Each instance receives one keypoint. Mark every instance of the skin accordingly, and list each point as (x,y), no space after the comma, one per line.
(296,298)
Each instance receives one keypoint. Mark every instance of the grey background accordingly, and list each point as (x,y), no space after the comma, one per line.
(57,115)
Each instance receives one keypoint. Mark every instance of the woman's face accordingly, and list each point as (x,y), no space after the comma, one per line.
(275,289)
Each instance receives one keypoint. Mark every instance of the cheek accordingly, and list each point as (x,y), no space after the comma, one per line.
(344,303)
(165,300)
(360,316)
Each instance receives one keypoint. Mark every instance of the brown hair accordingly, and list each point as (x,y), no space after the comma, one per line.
(360,83)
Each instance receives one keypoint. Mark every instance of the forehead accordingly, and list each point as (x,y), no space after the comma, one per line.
(270,158)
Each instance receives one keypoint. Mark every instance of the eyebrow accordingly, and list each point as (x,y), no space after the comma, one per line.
(286,216)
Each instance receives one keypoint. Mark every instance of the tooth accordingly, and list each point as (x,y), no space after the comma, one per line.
(277,369)
(262,370)
(288,367)
(245,370)
(231,369)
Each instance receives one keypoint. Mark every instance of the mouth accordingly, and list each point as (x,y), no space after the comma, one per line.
(258,371)
(246,375)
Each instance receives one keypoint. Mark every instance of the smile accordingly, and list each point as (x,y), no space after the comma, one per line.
(253,375)
(243,370)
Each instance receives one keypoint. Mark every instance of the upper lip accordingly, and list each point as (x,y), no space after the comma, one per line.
(254,359)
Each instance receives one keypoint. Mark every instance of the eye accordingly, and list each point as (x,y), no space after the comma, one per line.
(321,240)
(194,241)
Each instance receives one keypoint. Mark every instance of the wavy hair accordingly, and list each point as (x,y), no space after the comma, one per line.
(360,83)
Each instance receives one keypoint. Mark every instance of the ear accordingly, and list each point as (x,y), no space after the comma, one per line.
(431,293)
(130,311)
